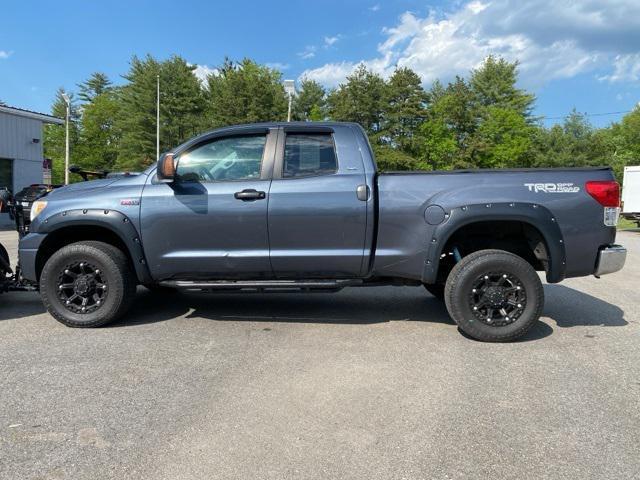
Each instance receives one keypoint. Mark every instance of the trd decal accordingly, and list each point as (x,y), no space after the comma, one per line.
(552,187)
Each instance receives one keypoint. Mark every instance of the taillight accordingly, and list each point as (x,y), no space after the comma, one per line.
(607,193)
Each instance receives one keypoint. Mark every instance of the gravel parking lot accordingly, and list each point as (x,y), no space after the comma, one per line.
(365,383)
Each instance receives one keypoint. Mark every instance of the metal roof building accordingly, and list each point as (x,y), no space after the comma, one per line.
(21,156)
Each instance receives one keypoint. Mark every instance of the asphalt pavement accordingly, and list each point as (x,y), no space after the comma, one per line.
(361,384)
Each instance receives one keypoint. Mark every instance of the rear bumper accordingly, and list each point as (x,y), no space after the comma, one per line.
(610,259)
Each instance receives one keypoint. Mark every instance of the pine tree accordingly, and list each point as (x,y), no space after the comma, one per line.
(95,85)
(181,107)
(360,99)
(309,103)
(244,92)
(494,84)
(405,110)
(99,136)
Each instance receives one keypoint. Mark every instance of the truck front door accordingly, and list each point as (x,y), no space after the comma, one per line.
(211,222)
(317,223)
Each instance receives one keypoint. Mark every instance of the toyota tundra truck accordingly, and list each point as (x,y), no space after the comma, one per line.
(302,207)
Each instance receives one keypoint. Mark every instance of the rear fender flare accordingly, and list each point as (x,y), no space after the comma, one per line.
(535,215)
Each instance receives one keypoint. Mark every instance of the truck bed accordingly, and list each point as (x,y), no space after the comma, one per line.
(550,199)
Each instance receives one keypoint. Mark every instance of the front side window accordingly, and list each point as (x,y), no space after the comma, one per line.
(224,159)
(309,154)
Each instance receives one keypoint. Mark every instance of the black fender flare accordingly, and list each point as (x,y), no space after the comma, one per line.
(535,215)
(112,220)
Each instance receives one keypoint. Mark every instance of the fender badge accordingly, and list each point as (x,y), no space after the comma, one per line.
(129,202)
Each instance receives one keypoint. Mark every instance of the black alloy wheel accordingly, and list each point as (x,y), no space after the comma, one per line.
(82,287)
(497,298)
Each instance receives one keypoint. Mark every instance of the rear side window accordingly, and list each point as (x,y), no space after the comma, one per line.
(308,155)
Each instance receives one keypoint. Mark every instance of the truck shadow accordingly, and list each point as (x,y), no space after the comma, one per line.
(351,306)
(565,306)
(572,308)
(15,305)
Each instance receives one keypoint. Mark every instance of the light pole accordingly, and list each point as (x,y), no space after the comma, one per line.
(290,90)
(67,100)
(158,118)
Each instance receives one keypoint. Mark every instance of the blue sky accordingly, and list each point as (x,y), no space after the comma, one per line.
(583,54)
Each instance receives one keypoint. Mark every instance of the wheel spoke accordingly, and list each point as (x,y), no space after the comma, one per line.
(497,298)
(481,303)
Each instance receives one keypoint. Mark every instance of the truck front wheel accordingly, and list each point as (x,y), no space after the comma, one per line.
(87,284)
(494,296)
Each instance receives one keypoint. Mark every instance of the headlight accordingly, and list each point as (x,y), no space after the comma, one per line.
(36,208)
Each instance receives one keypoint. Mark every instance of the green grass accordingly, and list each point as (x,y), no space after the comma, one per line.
(624,224)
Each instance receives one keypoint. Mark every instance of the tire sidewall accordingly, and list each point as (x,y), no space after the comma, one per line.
(82,253)
(462,312)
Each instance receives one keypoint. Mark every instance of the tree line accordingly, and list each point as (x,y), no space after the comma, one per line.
(481,121)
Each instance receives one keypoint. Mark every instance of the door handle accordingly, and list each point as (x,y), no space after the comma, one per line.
(362,192)
(249,195)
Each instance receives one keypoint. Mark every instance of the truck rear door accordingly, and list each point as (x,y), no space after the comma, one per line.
(317,219)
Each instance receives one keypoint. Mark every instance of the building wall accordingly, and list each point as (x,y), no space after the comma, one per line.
(16,143)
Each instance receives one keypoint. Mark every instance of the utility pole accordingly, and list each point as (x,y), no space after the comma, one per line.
(290,90)
(158,118)
(67,100)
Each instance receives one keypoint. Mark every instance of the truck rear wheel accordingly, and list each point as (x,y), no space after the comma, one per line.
(87,284)
(494,296)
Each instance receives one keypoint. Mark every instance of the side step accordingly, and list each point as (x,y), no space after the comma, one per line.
(262,285)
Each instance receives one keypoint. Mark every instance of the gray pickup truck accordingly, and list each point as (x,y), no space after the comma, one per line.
(299,207)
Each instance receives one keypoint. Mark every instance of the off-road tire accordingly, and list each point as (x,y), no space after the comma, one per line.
(435,289)
(458,291)
(116,271)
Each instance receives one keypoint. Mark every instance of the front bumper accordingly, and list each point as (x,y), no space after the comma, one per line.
(27,253)
(610,259)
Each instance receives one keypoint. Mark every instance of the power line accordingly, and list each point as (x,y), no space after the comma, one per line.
(586,115)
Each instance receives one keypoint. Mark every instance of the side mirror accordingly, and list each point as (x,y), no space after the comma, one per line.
(166,168)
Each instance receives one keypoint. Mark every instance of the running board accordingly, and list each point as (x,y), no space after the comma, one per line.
(261,285)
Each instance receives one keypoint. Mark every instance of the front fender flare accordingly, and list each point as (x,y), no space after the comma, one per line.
(535,215)
(113,220)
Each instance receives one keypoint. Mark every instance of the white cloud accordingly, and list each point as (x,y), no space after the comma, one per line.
(375,8)
(626,68)
(308,52)
(330,41)
(278,66)
(4,54)
(203,71)
(551,39)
